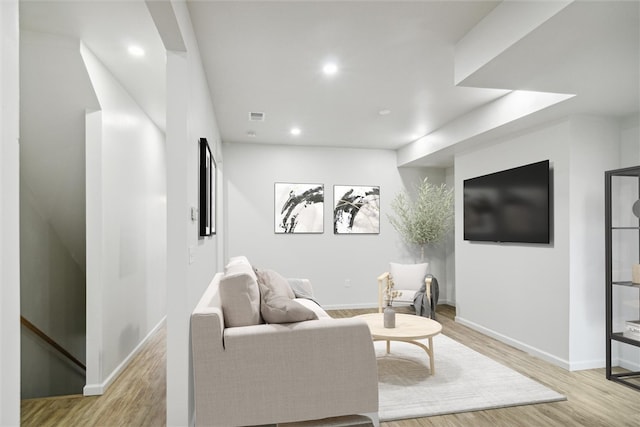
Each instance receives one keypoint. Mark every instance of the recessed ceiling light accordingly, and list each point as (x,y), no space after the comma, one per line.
(384,112)
(295,131)
(135,50)
(330,68)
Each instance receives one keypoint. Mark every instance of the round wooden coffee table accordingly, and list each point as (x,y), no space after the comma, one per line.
(409,328)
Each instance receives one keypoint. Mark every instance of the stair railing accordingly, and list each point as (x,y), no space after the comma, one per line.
(33,328)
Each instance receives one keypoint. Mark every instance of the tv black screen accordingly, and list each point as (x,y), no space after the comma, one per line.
(509,206)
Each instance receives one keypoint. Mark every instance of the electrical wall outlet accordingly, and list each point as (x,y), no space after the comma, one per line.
(347,283)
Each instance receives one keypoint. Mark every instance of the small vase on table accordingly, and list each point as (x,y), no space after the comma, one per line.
(389,317)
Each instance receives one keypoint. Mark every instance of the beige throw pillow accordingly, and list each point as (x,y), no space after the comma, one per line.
(276,282)
(282,309)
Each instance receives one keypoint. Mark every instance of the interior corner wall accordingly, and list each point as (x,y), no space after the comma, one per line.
(630,141)
(449,295)
(342,268)
(9,215)
(128,300)
(594,149)
(191,259)
(544,299)
(518,293)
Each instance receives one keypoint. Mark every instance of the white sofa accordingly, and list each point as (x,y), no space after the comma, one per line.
(275,373)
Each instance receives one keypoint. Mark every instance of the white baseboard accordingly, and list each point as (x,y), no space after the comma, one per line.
(517,344)
(365,305)
(349,306)
(626,364)
(587,364)
(99,389)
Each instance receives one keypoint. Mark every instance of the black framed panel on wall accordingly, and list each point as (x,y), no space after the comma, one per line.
(207,190)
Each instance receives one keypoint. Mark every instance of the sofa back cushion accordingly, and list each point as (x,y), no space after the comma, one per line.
(239,294)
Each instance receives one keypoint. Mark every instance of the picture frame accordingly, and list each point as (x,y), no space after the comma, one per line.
(298,208)
(356,209)
(207,205)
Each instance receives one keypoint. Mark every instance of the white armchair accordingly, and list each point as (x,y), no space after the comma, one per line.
(407,279)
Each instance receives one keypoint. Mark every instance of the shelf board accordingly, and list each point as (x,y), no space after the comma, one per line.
(626,379)
(617,336)
(627,283)
(626,228)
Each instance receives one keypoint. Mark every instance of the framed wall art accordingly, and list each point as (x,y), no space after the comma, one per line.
(356,209)
(299,208)
(207,190)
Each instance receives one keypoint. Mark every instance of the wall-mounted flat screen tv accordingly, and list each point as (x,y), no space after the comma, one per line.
(509,206)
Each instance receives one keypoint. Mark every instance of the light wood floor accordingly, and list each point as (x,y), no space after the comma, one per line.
(137,397)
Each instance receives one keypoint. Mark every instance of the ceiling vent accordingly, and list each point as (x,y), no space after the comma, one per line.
(256,117)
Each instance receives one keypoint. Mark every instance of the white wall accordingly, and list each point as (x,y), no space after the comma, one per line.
(126,291)
(190,116)
(553,295)
(342,268)
(52,288)
(526,284)
(630,142)
(9,216)
(55,91)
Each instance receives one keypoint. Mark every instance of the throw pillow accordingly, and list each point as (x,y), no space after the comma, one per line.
(276,282)
(408,276)
(301,288)
(282,309)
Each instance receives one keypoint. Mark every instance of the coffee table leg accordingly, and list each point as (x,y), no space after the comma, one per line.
(432,364)
(428,349)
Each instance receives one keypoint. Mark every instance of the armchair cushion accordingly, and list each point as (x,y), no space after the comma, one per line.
(408,276)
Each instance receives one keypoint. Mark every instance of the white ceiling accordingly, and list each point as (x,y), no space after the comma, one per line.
(267,56)
(108,28)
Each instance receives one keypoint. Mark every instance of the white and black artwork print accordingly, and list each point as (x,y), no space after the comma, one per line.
(299,208)
(356,209)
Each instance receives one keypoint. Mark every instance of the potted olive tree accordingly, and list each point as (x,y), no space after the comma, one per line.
(427,218)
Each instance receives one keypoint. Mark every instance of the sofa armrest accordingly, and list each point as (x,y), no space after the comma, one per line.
(293,372)
(207,328)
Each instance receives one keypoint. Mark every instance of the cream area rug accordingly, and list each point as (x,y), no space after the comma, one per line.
(464,380)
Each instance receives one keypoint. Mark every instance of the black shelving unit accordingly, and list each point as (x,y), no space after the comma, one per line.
(632,233)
